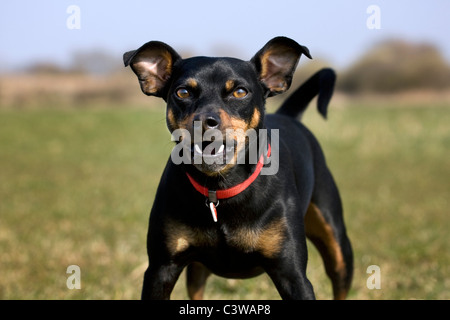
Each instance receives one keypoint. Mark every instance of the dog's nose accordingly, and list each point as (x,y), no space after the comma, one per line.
(209,120)
(212,122)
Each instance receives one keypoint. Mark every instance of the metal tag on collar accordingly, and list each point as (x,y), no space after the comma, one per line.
(212,196)
(213,203)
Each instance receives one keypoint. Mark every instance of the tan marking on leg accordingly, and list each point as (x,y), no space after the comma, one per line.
(319,231)
(196,277)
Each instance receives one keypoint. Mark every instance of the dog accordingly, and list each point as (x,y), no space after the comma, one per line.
(224,216)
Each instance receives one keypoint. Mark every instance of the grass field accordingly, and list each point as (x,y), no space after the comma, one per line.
(77,186)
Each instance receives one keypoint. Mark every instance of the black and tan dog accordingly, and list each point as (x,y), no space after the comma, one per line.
(262,220)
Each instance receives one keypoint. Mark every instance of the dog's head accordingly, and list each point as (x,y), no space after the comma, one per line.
(222,96)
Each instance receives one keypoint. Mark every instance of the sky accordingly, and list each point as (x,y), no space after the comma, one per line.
(334,30)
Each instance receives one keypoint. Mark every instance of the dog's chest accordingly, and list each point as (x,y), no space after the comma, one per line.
(267,240)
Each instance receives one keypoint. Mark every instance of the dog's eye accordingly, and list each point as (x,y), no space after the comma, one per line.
(239,93)
(183,93)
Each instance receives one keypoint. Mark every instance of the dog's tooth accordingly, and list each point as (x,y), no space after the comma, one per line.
(197,149)
(221,149)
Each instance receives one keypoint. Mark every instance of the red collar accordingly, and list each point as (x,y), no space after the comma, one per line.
(213,196)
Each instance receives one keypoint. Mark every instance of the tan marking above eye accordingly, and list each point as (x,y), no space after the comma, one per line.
(229,85)
(192,83)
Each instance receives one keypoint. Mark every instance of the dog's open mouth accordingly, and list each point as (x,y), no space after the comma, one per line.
(208,156)
(208,149)
(211,157)
(213,150)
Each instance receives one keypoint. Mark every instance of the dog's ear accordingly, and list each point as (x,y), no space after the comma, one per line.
(276,63)
(153,64)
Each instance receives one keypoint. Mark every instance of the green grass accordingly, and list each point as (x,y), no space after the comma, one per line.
(77,186)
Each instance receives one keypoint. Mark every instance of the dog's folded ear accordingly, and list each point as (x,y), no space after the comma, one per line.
(276,63)
(153,64)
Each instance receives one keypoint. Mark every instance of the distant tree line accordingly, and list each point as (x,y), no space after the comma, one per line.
(394,66)
(96,61)
(390,66)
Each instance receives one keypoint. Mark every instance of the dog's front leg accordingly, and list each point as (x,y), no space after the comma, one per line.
(292,284)
(288,271)
(159,281)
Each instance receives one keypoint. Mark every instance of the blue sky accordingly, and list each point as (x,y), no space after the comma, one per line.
(334,30)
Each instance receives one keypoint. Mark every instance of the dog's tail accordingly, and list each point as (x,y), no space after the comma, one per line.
(321,83)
